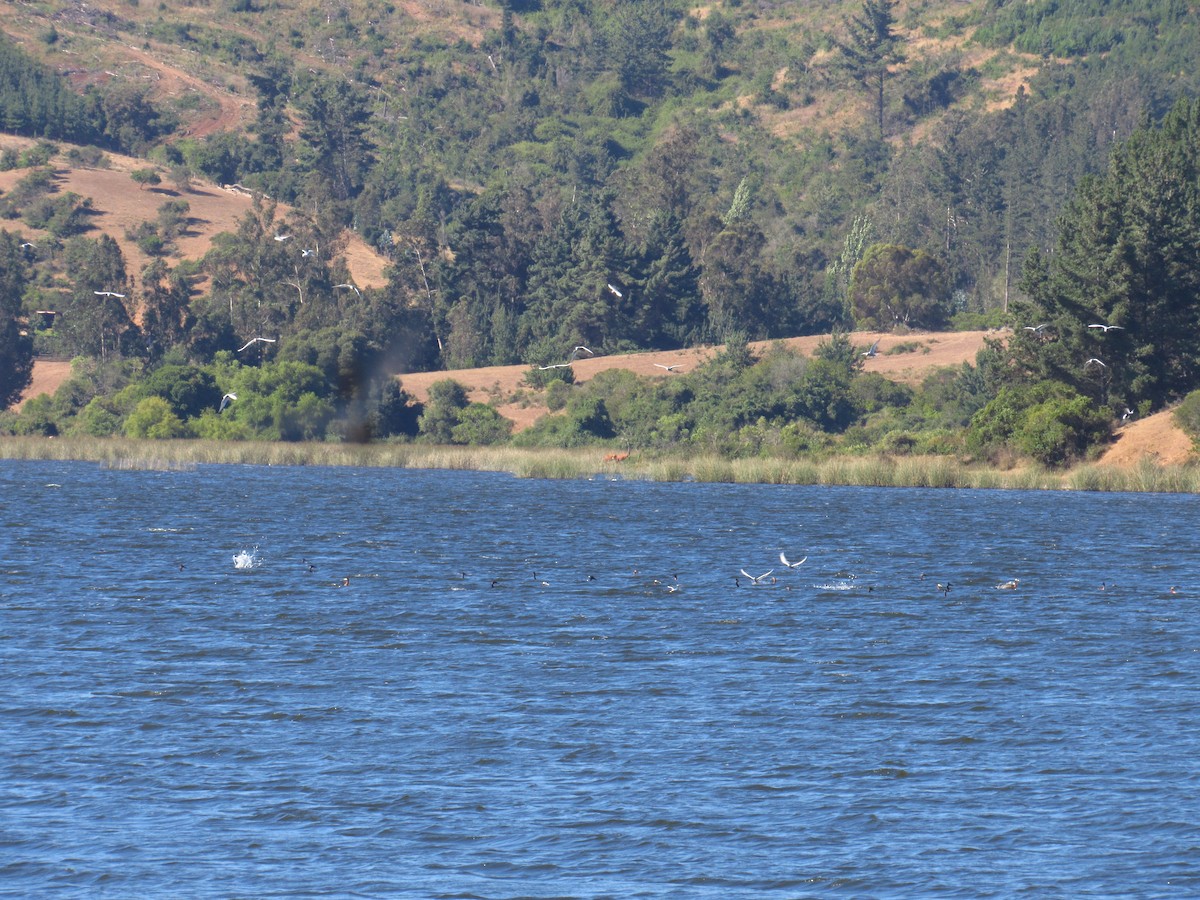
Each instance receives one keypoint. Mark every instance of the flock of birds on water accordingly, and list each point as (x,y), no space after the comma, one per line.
(843,581)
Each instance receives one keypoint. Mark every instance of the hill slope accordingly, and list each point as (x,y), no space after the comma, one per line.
(120,205)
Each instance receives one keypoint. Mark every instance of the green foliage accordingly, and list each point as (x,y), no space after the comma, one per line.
(34,100)
(540,378)
(16,345)
(480,424)
(1049,422)
(895,286)
(145,177)
(394,413)
(189,390)
(1187,416)
(443,410)
(153,418)
(343,355)
(1041,28)
(284,401)
(1128,255)
(872,49)
(92,321)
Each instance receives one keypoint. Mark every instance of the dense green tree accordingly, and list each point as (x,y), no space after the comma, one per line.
(167,316)
(36,101)
(480,424)
(1127,256)
(94,319)
(896,286)
(153,418)
(16,343)
(447,400)
(282,401)
(394,412)
(636,45)
(334,133)
(189,390)
(1048,421)
(667,308)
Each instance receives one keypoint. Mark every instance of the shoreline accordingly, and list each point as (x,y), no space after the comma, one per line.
(600,462)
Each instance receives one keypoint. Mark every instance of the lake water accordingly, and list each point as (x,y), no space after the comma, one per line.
(174,725)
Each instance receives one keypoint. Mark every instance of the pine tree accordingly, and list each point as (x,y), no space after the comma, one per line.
(873,47)
(1127,256)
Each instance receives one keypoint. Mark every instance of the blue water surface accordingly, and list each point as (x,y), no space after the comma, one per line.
(570,688)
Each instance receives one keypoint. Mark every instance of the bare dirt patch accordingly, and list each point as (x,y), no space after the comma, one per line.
(1156,438)
(48,374)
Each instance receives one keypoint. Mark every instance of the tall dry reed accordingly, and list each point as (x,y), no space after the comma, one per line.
(873,470)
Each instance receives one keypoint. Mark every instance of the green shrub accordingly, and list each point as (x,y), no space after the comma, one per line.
(1187,416)
(153,418)
(480,424)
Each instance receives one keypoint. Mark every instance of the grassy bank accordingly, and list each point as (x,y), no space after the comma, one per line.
(877,471)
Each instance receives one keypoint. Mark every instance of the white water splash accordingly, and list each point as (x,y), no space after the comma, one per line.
(247,559)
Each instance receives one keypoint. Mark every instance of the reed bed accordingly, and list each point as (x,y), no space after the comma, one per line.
(872,470)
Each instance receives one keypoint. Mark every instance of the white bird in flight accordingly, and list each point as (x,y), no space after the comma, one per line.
(570,359)
(1108,328)
(108,294)
(1096,361)
(670,368)
(874,349)
(575,353)
(791,565)
(283,237)
(615,291)
(352,287)
(1037,329)
(255,340)
(225,401)
(759,579)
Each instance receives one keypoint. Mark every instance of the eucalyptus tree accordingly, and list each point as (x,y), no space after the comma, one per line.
(16,345)
(897,286)
(94,319)
(166,307)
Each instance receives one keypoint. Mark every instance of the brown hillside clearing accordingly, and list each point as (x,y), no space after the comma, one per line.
(119,205)
(1156,438)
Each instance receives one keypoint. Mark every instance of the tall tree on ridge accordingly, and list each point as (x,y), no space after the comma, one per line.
(873,47)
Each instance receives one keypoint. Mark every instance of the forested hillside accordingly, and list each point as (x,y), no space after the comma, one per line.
(618,175)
